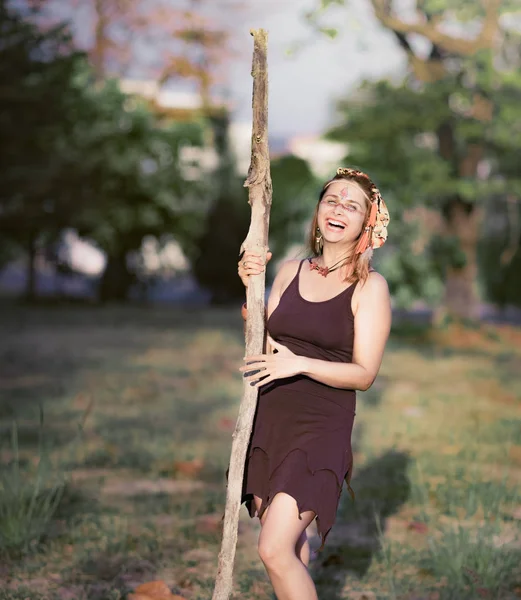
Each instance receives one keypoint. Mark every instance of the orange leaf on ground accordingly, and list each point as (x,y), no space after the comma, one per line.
(153,590)
(190,468)
(147,597)
(418,526)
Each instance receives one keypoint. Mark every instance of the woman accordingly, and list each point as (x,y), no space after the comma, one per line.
(328,320)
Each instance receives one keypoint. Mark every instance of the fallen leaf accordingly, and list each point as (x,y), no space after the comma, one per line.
(154,590)
(418,526)
(190,468)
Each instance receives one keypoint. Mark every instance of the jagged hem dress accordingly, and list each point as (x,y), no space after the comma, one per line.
(301,437)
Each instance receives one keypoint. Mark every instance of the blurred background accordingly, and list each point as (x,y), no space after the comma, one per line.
(126,131)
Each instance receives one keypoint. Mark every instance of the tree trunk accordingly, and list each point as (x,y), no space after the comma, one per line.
(461,300)
(30,292)
(259,184)
(116,280)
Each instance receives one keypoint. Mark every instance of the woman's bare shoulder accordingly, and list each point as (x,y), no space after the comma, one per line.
(289,266)
(285,272)
(374,284)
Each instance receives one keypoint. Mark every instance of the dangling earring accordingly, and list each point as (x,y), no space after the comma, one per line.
(318,241)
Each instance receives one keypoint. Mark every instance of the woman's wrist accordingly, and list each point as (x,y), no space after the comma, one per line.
(305,365)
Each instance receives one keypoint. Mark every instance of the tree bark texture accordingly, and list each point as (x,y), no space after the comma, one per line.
(259,187)
(461,300)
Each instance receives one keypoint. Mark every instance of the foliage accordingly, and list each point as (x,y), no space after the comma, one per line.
(28,501)
(131,173)
(85,155)
(226,224)
(499,255)
(181,43)
(440,143)
(225,227)
(295,193)
(37,69)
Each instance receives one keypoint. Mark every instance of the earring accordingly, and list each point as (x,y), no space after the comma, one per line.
(318,241)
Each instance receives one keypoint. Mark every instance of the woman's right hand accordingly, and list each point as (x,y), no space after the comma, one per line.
(251,264)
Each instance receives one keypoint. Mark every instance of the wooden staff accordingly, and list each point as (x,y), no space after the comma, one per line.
(259,187)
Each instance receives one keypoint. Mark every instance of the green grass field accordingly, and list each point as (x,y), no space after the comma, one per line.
(140,494)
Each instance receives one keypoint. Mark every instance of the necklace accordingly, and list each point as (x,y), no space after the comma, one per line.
(324,271)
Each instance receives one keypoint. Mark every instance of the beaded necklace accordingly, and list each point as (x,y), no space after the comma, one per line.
(324,271)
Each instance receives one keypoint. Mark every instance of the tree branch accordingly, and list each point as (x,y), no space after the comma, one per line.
(429,28)
(259,184)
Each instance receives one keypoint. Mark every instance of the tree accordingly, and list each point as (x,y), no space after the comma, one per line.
(36,70)
(180,42)
(444,138)
(226,224)
(130,168)
(295,189)
(86,156)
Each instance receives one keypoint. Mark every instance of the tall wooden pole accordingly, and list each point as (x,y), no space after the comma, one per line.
(258,183)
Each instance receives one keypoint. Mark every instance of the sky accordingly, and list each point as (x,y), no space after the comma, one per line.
(303,87)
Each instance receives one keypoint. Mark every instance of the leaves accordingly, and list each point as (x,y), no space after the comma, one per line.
(418,527)
(189,468)
(154,590)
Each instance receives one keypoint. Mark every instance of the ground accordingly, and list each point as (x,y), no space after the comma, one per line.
(123,482)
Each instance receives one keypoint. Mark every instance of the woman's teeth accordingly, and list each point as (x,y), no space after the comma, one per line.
(336,224)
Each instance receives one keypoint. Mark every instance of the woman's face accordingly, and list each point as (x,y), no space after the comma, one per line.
(342,212)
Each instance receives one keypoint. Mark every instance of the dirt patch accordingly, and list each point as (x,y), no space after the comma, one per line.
(135,487)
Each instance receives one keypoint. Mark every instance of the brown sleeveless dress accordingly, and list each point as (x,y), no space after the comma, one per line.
(301,438)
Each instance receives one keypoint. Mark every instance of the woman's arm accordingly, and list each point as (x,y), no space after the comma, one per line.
(372,327)
(286,271)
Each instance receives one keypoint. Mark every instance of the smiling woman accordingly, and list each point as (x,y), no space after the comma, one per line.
(328,326)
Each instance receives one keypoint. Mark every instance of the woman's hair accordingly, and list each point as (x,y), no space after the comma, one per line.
(358,264)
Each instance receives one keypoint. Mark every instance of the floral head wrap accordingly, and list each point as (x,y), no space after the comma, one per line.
(374,232)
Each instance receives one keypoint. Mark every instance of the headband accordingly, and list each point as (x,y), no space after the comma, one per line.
(374,233)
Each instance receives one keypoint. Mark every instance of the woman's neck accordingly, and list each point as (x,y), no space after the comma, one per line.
(330,256)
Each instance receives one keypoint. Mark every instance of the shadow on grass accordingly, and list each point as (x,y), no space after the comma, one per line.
(380,488)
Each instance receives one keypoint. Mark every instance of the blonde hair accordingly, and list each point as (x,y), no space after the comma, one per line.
(358,265)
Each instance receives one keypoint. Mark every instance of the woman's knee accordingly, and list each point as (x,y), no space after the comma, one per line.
(272,551)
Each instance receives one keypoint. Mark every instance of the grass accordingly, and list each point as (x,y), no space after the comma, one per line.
(29,499)
(437,461)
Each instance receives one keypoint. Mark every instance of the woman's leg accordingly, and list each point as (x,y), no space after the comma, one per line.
(302,549)
(281,530)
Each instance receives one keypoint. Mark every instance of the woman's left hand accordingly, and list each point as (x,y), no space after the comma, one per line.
(279,365)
